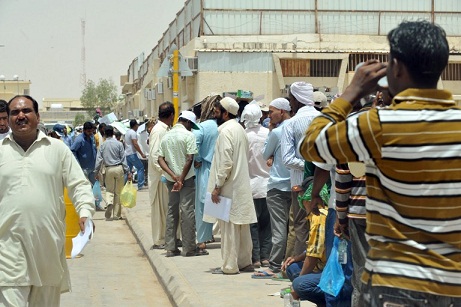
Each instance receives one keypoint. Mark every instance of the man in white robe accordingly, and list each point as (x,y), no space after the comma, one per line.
(158,192)
(229,177)
(34,170)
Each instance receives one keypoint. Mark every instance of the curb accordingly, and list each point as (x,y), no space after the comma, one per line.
(175,284)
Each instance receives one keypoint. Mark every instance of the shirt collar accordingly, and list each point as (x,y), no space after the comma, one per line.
(424,95)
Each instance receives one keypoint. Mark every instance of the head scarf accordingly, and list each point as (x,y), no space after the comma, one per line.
(251,115)
(281,104)
(303,92)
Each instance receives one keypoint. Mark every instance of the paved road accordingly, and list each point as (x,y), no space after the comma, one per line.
(114,271)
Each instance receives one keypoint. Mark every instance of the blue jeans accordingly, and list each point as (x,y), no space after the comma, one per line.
(133,160)
(306,286)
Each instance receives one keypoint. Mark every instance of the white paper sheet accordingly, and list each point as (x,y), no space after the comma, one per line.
(79,242)
(220,210)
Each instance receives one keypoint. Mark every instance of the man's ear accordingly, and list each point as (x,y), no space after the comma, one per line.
(397,68)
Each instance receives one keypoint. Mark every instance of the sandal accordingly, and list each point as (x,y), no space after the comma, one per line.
(248,269)
(201,252)
(219,271)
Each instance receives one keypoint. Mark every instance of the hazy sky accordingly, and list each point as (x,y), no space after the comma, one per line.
(42,40)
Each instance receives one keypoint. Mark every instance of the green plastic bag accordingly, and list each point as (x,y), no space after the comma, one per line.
(128,196)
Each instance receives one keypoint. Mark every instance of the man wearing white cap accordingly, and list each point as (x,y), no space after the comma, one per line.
(278,187)
(302,105)
(229,177)
(259,176)
(176,155)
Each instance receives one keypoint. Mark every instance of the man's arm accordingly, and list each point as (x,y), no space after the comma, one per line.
(321,177)
(164,165)
(288,147)
(309,265)
(333,139)
(154,144)
(138,149)
(270,145)
(76,146)
(343,186)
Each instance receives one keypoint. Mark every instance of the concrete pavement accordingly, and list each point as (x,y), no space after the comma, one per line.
(113,271)
(188,280)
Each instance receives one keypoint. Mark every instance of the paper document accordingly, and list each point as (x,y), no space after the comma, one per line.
(220,210)
(79,242)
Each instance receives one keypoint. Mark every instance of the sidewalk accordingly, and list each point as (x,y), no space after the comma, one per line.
(188,280)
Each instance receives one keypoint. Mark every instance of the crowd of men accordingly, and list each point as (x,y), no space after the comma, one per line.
(383,178)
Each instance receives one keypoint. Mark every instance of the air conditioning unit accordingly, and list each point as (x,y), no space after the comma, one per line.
(151,94)
(170,82)
(192,63)
(146,93)
(160,88)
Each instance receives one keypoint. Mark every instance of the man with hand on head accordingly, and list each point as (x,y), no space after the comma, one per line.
(34,171)
(411,153)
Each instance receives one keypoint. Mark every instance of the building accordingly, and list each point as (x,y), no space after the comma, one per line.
(12,87)
(60,110)
(265,45)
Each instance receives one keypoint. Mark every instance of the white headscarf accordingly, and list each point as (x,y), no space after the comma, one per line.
(281,104)
(303,92)
(251,115)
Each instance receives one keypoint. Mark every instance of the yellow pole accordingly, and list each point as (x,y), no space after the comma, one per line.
(176,84)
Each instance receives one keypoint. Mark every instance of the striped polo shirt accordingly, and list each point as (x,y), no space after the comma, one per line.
(412,152)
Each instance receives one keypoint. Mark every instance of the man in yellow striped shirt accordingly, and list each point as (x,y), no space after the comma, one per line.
(412,154)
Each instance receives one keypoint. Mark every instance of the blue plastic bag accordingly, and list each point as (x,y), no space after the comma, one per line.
(332,279)
(97,193)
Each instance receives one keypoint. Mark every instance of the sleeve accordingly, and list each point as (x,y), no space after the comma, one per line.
(288,147)
(226,151)
(198,141)
(99,160)
(76,146)
(270,145)
(154,144)
(79,188)
(126,169)
(332,138)
(191,145)
(343,186)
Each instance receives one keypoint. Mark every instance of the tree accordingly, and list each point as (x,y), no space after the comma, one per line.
(102,95)
(79,120)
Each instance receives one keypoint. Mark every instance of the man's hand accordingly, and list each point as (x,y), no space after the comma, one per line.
(81,223)
(270,161)
(197,164)
(143,155)
(96,176)
(130,176)
(365,80)
(177,186)
(215,195)
(316,201)
(287,263)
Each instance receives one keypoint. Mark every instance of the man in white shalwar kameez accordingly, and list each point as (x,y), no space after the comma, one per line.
(158,192)
(229,177)
(34,170)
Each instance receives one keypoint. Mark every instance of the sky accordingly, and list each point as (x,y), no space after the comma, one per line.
(42,40)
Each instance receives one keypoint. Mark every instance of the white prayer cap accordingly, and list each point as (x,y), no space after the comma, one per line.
(190,116)
(281,104)
(251,115)
(320,99)
(303,92)
(230,105)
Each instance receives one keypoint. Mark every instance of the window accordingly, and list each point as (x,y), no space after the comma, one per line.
(452,72)
(310,67)
(356,58)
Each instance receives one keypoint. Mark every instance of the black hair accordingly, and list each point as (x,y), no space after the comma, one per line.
(109,131)
(3,106)
(133,123)
(165,110)
(88,125)
(34,102)
(221,108)
(422,47)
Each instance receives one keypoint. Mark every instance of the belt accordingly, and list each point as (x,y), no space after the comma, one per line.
(114,165)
